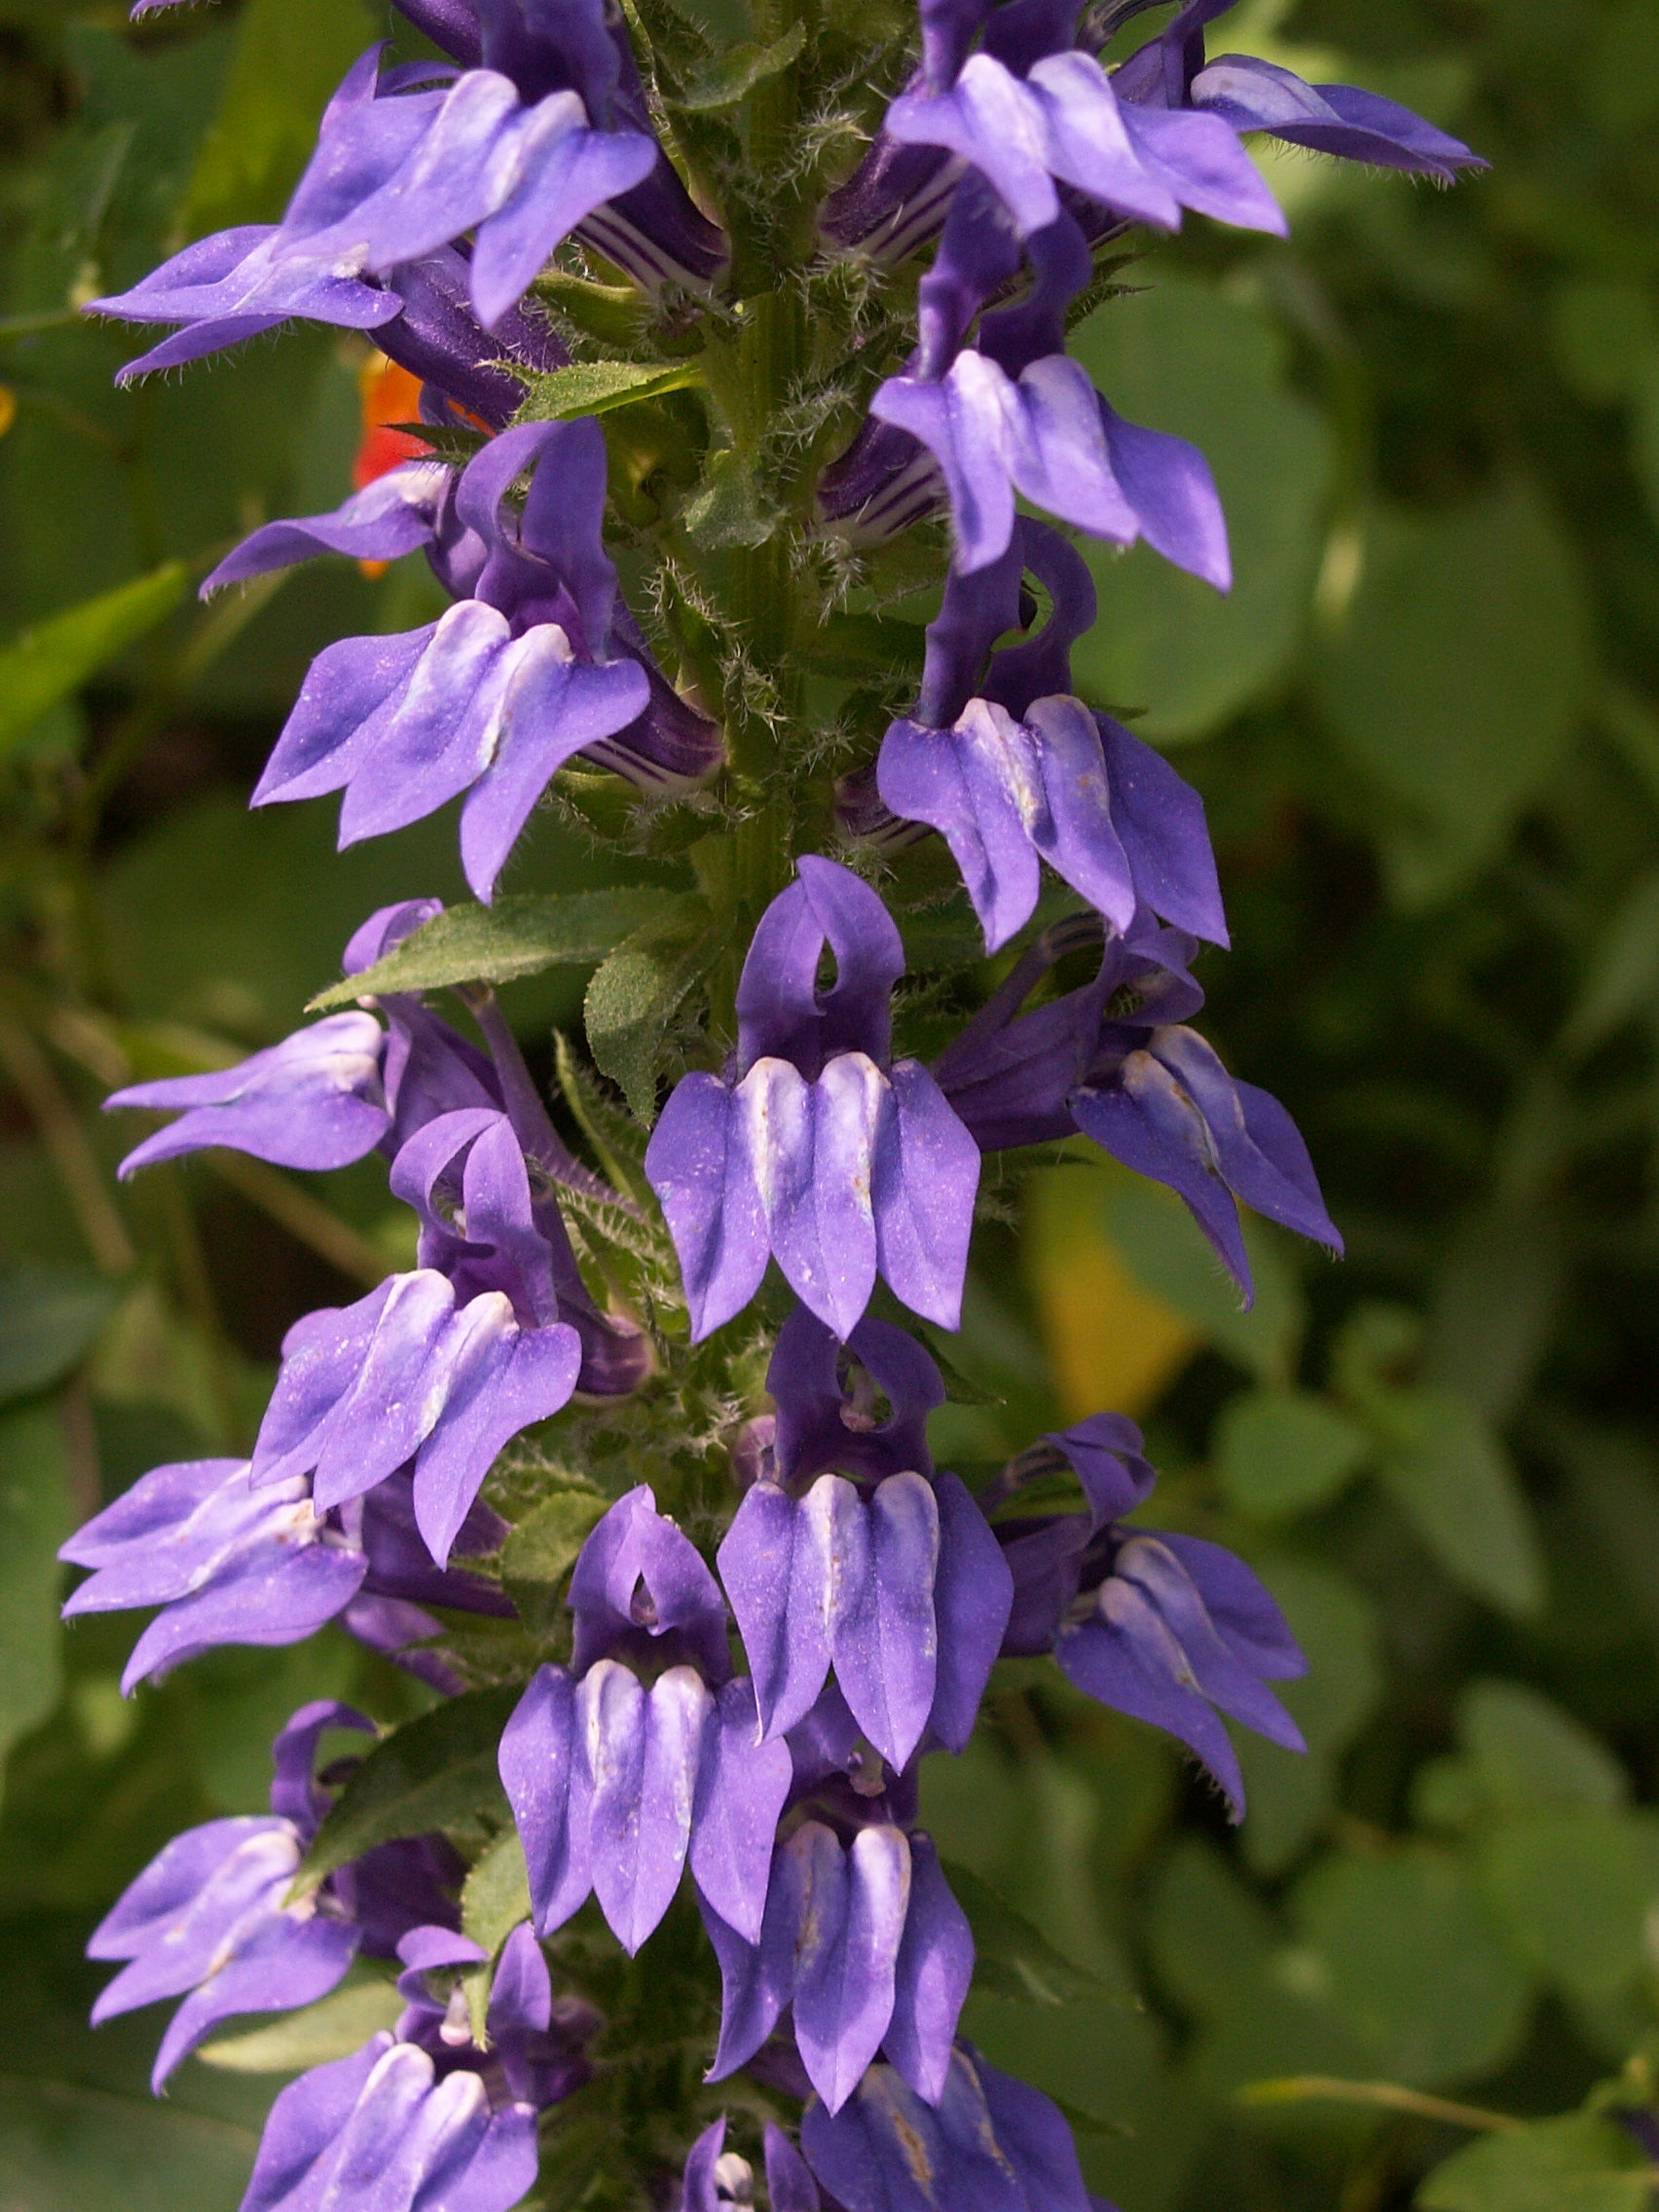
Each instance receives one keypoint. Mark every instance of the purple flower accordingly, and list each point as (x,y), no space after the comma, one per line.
(442,1366)
(1060,123)
(893,1580)
(1046,433)
(331,1093)
(211,1915)
(1172,1629)
(1170,74)
(991,2145)
(616,1780)
(654,231)
(408,160)
(1012,770)
(230,1564)
(863,1940)
(814,1145)
(422,2116)
(1116,1061)
(534,662)
(716,2178)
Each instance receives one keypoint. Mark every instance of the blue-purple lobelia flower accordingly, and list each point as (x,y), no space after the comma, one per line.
(535,661)
(441,1366)
(717,2178)
(409,158)
(333,1092)
(645,1751)
(814,1145)
(422,2118)
(861,1943)
(212,1920)
(230,1564)
(1174,1630)
(852,1554)
(1116,1061)
(991,2144)
(1012,770)
(1013,413)
(1036,113)
(1169,75)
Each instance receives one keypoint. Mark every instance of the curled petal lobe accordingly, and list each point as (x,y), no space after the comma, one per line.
(886,1640)
(931,1978)
(741,1788)
(545,1778)
(699,1166)
(845,1976)
(927,1174)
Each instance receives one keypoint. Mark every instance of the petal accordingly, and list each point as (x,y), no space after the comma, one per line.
(843,1997)
(790,2186)
(1058,453)
(551,709)
(934,1967)
(272,1595)
(966,424)
(182,1870)
(780,1607)
(387,517)
(346,687)
(395,1396)
(1087,142)
(927,1172)
(1131,1663)
(1160,820)
(885,1641)
(697,1162)
(285,1963)
(741,1788)
(641,1755)
(564,183)
(1205,169)
(303,2123)
(1169,484)
(992,119)
(975,783)
(544,1776)
(1080,836)
(502,1380)
(973,1600)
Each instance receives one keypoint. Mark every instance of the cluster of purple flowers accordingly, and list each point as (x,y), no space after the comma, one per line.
(872,1592)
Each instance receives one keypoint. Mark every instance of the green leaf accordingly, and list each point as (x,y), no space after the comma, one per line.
(49,1319)
(1210,1936)
(1622,979)
(1183,357)
(1290,1794)
(495,1897)
(35,1518)
(1528,1754)
(1605,336)
(334,2027)
(1170,1255)
(1496,1292)
(596,388)
(515,936)
(1011,1957)
(1578,2164)
(65,2147)
(1408,1958)
(737,71)
(290,55)
(433,1772)
(58,655)
(1450,1475)
(541,1551)
(727,509)
(1284,1452)
(1573,1892)
(636,994)
(1457,673)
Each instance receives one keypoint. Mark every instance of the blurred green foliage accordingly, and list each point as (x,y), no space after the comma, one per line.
(1426,725)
